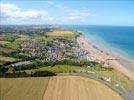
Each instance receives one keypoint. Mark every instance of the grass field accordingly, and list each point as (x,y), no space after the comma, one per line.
(114,77)
(60,68)
(23,88)
(6,50)
(23,37)
(63,33)
(56,69)
(6,59)
(3,42)
(117,78)
(14,45)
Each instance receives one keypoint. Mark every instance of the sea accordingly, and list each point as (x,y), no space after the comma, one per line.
(113,39)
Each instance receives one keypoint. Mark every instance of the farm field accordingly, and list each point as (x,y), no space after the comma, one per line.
(61,33)
(78,88)
(3,42)
(7,59)
(55,88)
(23,88)
(6,50)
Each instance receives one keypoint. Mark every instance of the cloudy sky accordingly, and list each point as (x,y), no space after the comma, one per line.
(92,12)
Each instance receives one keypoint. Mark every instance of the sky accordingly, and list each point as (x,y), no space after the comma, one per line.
(85,12)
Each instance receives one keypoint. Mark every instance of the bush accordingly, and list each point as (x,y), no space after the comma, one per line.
(3,70)
(34,65)
(43,73)
(15,74)
(25,67)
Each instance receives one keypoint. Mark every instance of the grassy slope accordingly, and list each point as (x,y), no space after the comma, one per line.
(116,78)
(22,88)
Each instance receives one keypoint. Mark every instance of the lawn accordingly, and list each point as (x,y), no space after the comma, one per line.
(23,88)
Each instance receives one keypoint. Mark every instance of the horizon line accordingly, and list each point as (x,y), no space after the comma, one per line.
(62,24)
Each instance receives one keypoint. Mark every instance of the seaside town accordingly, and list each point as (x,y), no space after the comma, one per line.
(47,50)
(66,50)
(52,50)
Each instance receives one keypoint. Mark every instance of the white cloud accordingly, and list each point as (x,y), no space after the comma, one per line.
(6,10)
(50,2)
(30,14)
(78,15)
(73,18)
(11,12)
(74,15)
(61,7)
(7,6)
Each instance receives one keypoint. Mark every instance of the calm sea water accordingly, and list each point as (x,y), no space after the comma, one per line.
(117,39)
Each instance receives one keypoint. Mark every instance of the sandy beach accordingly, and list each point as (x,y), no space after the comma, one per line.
(118,63)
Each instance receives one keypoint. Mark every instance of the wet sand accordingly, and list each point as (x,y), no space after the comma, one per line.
(121,64)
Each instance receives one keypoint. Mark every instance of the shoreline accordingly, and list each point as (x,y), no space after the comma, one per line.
(118,63)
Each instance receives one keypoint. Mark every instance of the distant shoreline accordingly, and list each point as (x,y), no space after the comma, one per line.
(119,63)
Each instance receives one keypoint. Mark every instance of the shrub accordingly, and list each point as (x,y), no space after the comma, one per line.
(43,73)
(3,70)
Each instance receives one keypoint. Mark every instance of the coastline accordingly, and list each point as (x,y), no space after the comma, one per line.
(117,62)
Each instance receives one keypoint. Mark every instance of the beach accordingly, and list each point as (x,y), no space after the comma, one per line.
(115,61)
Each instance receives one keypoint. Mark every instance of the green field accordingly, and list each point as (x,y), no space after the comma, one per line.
(56,69)
(23,88)
(117,78)
(5,50)
(60,68)
(7,59)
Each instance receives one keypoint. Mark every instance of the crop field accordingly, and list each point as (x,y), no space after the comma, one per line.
(55,88)
(61,33)
(23,37)
(78,88)
(23,88)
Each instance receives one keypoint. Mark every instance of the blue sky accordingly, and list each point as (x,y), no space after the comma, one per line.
(91,12)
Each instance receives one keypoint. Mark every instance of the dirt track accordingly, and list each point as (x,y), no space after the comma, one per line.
(78,88)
